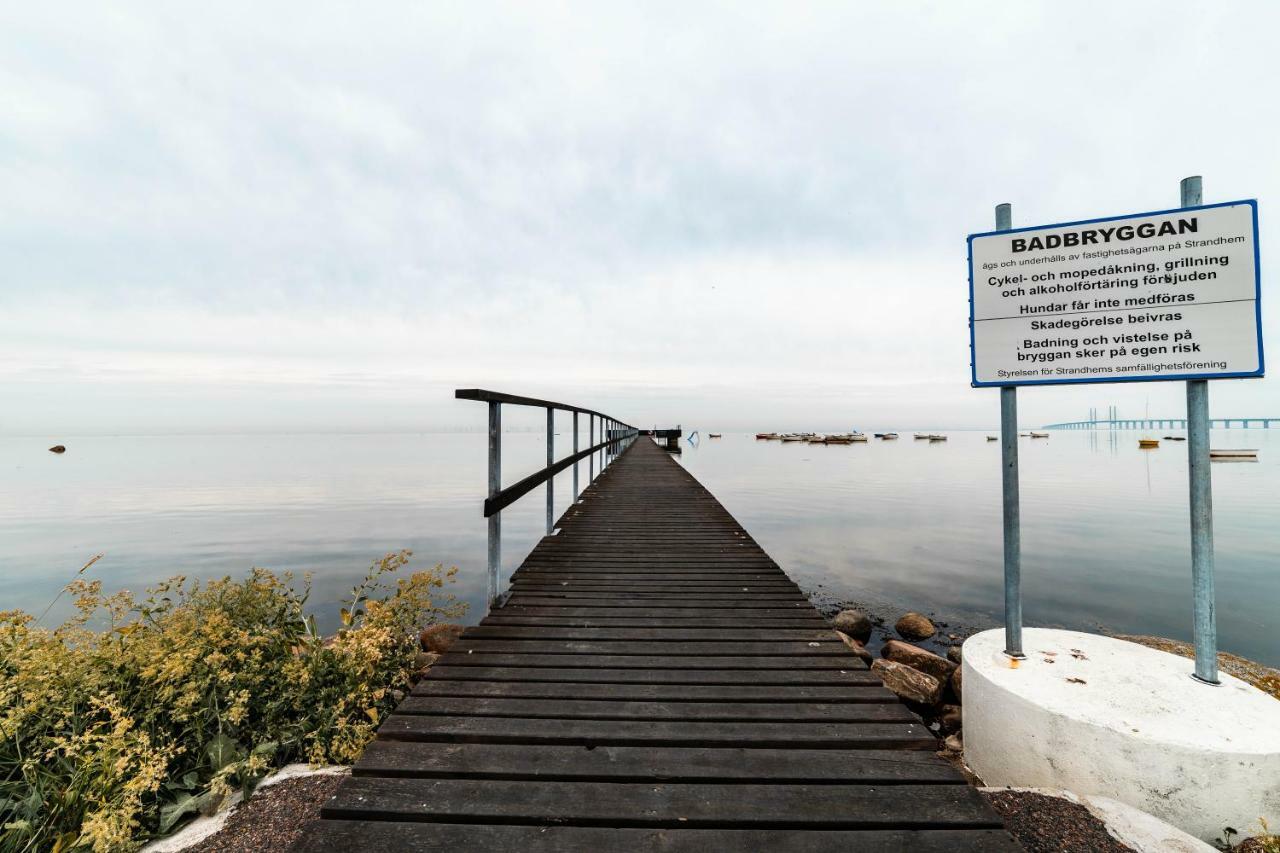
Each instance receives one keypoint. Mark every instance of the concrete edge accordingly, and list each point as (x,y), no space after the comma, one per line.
(1126,824)
(204,826)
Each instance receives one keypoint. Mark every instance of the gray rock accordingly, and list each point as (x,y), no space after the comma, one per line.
(438,638)
(954,654)
(954,743)
(907,682)
(951,719)
(857,648)
(855,623)
(918,658)
(955,683)
(915,626)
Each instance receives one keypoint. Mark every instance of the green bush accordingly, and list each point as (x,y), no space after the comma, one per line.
(114,733)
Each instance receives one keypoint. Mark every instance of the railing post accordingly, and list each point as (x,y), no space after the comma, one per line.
(591,442)
(575,453)
(495,486)
(551,459)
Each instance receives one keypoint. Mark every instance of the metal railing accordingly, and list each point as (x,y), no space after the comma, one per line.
(613,434)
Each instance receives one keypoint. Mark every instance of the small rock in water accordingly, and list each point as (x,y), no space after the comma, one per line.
(917,658)
(438,638)
(954,654)
(856,647)
(57,448)
(907,682)
(855,623)
(914,626)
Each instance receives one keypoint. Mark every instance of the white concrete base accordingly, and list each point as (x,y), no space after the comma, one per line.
(1138,729)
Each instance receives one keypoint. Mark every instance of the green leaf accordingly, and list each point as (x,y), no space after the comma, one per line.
(222,751)
(189,779)
(185,805)
(266,748)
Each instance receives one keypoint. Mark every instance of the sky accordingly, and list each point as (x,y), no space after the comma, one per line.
(284,217)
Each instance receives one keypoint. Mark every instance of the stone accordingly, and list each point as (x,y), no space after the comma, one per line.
(953,743)
(908,683)
(955,684)
(918,658)
(951,720)
(955,655)
(855,623)
(914,626)
(423,660)
(58,448)
(438,638)
(857,648)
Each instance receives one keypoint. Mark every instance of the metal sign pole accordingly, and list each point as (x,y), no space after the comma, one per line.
(1012,509)
(1205,629)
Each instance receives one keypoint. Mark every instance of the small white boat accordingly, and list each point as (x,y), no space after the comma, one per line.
(1039,435)
(937,437)
(857,436)
(922,435)
(889,436)
(1241,453)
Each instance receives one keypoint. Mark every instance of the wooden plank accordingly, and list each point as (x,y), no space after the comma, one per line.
(669,764)
(348,835)
(743,617)
(755,664)
(761,607)
(656,692)
(550,632)
(673,805)
(697,734)
(601,709)
(640,620)
(660,675)
(671,648)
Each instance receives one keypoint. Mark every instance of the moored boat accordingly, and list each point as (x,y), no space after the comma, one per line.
(714,435)
(993,438)
(922,435)
(1238,453)
(1148,443)
(1039,435)
(889,436)
(1175,438)
(767,435)
(937,437)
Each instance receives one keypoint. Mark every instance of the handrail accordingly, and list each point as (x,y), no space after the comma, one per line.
(497,397)
(517,490)
(613,432)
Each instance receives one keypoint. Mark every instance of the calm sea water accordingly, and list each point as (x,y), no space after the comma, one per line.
(894,525)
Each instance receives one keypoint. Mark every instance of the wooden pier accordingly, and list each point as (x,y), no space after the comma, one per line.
(654,682)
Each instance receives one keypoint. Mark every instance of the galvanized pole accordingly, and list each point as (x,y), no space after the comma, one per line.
(495,486)
(591,442)
(1012,508)
(575,453)
(1206,620)
(551,458)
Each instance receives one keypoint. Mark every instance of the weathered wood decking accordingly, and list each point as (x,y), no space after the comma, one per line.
(654,682)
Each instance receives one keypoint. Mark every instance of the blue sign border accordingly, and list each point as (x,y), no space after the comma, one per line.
(1257,295)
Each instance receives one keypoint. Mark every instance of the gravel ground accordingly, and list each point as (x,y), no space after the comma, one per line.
(272,818)
(1051,825)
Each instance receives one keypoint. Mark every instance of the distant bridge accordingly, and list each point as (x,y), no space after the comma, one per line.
(1161,423)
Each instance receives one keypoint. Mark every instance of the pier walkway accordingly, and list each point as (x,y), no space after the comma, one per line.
(653,682)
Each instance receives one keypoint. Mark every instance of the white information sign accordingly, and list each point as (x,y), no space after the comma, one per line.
(1151,296)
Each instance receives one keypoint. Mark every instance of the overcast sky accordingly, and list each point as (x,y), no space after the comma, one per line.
(273,216)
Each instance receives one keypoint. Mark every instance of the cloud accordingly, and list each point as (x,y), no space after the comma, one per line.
(696,208)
